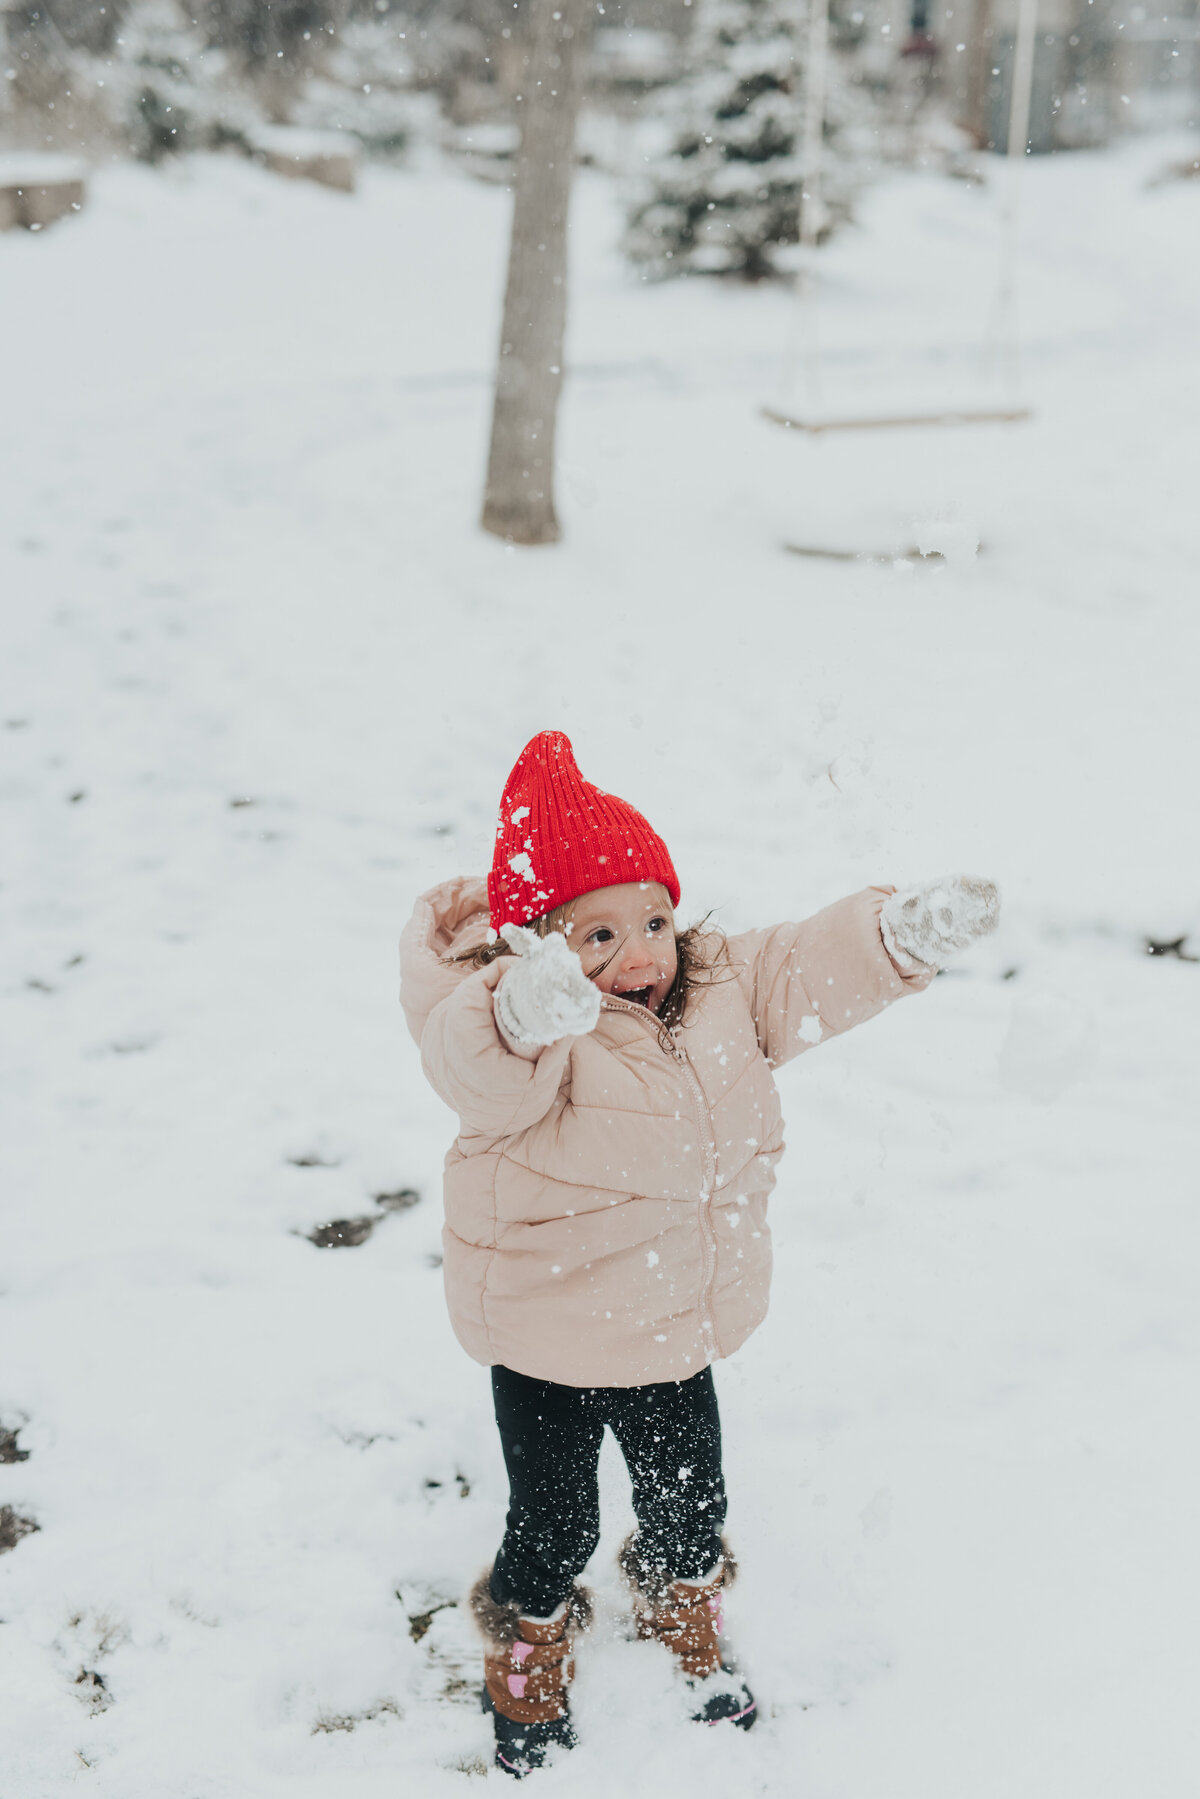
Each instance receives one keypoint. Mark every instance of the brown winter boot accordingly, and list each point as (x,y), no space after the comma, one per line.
(686,1616)
(527,1670)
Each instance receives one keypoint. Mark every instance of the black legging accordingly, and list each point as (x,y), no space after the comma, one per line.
(670,1436)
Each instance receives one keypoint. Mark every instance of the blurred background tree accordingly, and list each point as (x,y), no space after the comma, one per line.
(704,101)
(518,501)
(156,76)
(727,193)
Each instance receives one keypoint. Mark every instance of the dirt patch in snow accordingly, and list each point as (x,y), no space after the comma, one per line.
(13,1527)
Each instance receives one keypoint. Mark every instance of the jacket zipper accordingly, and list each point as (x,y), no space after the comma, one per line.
(708,1146)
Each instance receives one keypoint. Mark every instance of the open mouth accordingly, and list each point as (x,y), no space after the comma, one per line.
(639,995)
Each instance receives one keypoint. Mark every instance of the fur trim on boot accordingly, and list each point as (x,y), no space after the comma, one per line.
(653,1584)
(497,1624)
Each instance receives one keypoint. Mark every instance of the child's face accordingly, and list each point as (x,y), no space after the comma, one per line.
(625,939)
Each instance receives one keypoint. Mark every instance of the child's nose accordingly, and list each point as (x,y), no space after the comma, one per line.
(637,955)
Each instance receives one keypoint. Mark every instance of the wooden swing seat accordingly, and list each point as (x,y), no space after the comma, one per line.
(815,425)
(837,553)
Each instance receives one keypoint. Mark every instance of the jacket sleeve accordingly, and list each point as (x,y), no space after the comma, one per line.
(809,981)
(496,1087)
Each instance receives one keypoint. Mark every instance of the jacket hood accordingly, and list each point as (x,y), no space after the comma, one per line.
(452,916)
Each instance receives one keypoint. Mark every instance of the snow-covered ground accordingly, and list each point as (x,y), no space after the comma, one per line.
(262,679)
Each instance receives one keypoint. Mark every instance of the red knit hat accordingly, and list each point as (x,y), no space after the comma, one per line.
(559,836)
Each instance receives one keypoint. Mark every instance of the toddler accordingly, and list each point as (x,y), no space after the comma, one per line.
(606,1230)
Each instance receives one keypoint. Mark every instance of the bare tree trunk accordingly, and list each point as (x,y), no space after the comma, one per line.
(981,52)
(518,501)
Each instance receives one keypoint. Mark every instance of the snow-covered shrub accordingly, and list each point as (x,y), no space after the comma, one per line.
(467,52)
(262,33)
(169,88)
(158,77)
(85,75)
(364,86)
(728,191)
(71,24)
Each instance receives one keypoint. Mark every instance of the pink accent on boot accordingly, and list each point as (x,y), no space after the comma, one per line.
(732,1717)
(517,1684)
(521,1650)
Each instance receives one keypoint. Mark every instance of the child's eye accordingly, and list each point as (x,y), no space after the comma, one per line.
(657,924)
(603,935)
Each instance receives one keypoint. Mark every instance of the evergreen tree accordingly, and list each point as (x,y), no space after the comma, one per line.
(264,32)
(727,193)
(363,85)
(168,88)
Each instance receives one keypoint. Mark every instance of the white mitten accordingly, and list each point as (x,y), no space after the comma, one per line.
(928,924)
(546,994)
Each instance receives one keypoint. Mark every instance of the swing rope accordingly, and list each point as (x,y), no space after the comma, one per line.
(1001,349)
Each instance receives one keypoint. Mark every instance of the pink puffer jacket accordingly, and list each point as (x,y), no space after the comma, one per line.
(606,1199)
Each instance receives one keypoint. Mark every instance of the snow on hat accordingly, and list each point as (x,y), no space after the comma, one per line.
(559,836)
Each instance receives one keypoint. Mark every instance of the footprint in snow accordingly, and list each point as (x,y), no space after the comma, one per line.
(9,1449)
(13,1527)
(93,1690)
(348,1233)
(1175,946)
(454,1666)
(329,1722)
(342,1233)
